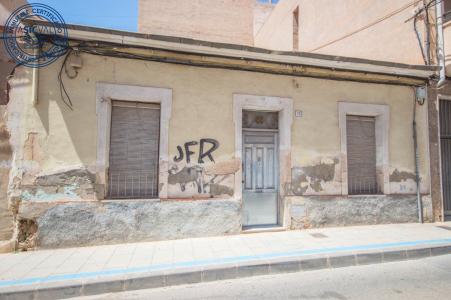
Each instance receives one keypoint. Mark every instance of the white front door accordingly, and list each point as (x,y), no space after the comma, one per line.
(260,177)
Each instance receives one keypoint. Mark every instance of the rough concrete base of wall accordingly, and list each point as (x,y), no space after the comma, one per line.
(327,211)
(93,223)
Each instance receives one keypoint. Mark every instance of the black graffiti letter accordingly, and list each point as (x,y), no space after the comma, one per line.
(177,159)
(187,151)
(215,145)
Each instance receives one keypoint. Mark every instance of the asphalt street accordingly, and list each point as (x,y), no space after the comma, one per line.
(428,278)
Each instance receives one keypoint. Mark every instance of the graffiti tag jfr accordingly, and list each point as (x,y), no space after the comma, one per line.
(186,152)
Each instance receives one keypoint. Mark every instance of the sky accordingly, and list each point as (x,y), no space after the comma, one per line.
(112,14)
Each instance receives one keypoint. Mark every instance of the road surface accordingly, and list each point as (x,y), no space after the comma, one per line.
(428,278)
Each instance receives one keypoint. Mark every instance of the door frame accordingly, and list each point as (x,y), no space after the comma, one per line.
(285,108)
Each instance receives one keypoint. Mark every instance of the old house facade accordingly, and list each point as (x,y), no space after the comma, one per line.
(161,138)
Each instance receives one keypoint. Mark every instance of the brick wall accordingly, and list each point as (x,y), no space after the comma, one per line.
(228,21)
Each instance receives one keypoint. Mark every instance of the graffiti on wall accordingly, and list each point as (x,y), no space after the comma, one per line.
(197,178)
(186,152)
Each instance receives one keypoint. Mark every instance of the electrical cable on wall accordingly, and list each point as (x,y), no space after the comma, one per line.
(420,44)
(425,53)
(393,13)
(63,92)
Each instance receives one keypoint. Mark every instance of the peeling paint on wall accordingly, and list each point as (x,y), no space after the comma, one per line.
(399,176)
(40,194)
(185,176)
(193,181)
(219,189)
(312,177)
(71,184)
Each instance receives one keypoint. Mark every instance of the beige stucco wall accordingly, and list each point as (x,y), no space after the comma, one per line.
(227,21)
(202,108)
(323,21)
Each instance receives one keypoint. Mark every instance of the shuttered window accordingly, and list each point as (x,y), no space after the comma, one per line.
(361,151)
(134,144)
(445,147)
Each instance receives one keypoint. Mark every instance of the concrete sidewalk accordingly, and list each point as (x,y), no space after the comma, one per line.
(63,273)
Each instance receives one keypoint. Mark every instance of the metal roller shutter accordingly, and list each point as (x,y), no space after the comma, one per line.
(134,143)
(361,149)
(445,147)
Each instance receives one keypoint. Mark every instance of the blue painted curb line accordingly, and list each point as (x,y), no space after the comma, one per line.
(210,262)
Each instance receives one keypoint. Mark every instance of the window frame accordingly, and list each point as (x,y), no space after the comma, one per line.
(105,94)
(381,113)
(118,104)
(351,118)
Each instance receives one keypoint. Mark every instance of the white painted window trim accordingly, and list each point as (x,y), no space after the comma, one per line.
(285,108)
(382,114)
(105,92)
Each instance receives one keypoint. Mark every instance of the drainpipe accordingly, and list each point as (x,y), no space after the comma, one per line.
(34,82)
(35,76)
(440,45)
(417,157)
(428,32)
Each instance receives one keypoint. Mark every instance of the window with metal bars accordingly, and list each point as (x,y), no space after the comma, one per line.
(361,155)
(134,144)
